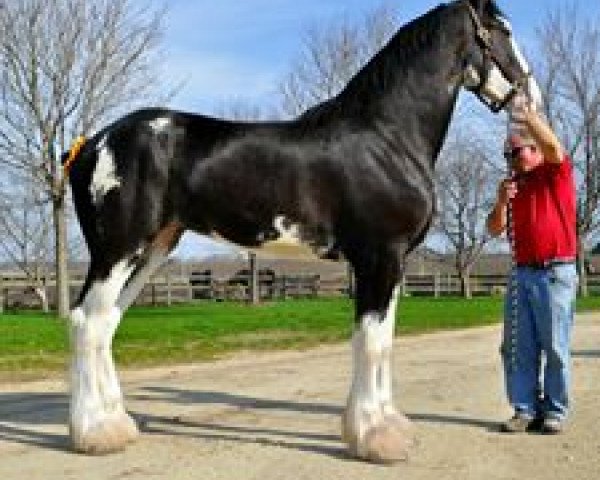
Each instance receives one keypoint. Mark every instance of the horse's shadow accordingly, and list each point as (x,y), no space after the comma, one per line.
(263,435)
(22,413)
(324,444)
(314,442)
(187,397)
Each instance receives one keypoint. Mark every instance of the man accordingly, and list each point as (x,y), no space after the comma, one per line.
(539,302)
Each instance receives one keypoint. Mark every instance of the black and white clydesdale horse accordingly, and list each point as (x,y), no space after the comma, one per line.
(353,175)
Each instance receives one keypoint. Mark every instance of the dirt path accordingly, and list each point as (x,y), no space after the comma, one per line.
(276,415)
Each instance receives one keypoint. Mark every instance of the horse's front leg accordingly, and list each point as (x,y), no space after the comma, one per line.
(371,426)
(385,372)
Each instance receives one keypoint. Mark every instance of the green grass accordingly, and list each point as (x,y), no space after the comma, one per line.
(32,345)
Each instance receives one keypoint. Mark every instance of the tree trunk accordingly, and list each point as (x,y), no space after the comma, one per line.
(62,272)
(465,284)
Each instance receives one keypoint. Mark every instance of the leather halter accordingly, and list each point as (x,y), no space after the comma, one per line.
(484,39)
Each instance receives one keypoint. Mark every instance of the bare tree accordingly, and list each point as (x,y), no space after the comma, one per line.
(570,73)
(25,236)
(330,56)
(241,109)
(466,180)
(66,67)
(26,233)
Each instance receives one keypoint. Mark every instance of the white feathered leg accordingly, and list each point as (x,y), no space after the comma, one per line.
(363,409)
(371,427)
(391,415)
(123,426)
(98,421)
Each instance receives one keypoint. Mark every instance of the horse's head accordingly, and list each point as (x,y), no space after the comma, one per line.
(494,67)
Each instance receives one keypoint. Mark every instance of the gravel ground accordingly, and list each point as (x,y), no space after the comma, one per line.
(277,415)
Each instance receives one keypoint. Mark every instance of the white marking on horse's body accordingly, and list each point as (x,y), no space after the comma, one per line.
(160,124)
(105,176)
(288,232)
(289,240)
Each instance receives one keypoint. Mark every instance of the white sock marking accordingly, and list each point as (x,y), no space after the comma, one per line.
(95,390)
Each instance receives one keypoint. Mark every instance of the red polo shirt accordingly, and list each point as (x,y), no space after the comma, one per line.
(543,213)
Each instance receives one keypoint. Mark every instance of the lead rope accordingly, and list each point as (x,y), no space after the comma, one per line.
(514,287)
(513,290)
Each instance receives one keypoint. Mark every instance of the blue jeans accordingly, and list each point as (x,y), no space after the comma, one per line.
(535,349)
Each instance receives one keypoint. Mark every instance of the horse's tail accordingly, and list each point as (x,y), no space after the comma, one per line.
(70,157)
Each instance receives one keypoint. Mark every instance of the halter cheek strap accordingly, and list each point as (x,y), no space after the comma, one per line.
(484,39)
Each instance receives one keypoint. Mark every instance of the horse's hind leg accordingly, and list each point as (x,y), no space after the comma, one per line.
(97,425)
(152,257)
(99,422)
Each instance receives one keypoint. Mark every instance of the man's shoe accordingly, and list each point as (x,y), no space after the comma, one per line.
(552,425)
(518,423)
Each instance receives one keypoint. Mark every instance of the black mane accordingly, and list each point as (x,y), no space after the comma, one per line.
(402,52)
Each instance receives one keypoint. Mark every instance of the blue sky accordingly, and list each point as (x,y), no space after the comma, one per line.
(225,50)
(221,50)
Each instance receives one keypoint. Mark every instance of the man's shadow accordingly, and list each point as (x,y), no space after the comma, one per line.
(585,353)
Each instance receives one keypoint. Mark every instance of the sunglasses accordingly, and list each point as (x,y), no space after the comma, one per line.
(515,152)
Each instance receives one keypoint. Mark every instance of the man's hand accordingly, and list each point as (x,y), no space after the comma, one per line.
(524,113)
(496,221)
(506,191)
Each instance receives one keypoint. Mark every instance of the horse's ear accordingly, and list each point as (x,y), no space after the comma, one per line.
(486,9)
(479,6)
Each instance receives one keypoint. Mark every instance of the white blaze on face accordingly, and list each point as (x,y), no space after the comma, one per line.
(159,124)
(533,89)
(105,176)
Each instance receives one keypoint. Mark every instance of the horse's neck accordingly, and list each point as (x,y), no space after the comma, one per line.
(418,107)
(424,123)
(415,96)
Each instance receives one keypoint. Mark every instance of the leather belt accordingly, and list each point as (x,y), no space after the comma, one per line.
(546,264)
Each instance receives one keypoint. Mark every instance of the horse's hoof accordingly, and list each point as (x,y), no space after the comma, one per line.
(110,435)
(386,443)
(399,421)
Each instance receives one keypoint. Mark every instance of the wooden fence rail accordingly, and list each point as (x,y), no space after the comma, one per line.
(168,288)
